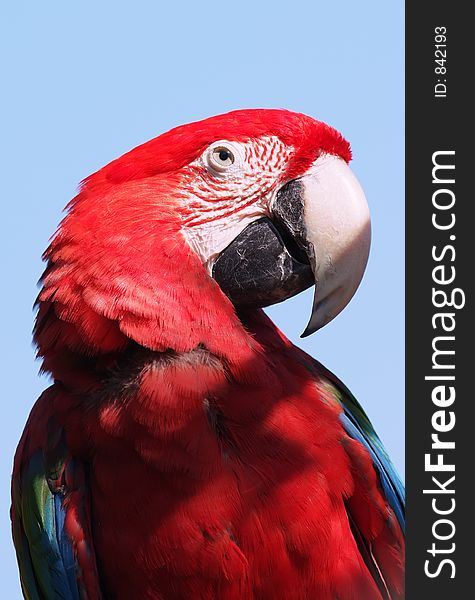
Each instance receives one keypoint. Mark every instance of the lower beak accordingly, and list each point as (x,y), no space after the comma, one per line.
(319,232)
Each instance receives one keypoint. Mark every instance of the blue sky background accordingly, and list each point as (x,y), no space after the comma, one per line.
(83,84)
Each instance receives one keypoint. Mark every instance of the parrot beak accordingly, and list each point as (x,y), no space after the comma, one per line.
(337,236)
(318,233)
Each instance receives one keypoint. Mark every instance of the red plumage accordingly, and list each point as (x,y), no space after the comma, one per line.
(217,463)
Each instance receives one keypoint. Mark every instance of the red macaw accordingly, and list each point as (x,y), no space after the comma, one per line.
(186,449)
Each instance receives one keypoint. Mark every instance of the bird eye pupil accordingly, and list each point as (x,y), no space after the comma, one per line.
(224,155)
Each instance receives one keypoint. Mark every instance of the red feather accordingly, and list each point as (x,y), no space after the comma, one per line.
(218,464)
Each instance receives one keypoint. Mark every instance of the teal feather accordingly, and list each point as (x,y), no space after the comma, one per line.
(43,571)
(29,583)
(359,427)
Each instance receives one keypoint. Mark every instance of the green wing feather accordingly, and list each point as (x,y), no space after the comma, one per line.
(358,426)
(38,523)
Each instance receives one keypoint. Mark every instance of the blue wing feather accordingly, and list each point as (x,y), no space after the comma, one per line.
(48,481)
(45,554)
(359,427)
(391,484)
(65,546)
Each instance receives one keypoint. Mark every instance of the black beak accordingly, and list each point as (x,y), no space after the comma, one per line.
(267,262)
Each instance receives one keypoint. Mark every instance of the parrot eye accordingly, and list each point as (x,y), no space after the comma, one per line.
(223,156)
(220,157)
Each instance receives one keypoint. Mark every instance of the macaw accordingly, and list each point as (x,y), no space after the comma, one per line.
(187,449)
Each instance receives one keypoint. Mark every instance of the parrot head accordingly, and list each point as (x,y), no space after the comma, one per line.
(260,202)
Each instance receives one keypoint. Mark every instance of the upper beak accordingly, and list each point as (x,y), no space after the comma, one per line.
(319,232)
(337,236)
